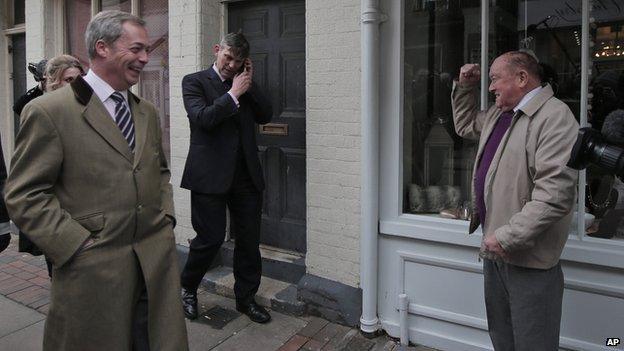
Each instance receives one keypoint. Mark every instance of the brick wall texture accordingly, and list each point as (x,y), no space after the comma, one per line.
(333,139)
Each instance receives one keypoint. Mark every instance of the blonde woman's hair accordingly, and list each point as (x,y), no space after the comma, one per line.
(56,67)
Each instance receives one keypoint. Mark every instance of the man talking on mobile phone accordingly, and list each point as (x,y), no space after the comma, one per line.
(222,171)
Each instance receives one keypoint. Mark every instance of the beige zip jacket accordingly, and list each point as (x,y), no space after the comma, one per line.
(529,190)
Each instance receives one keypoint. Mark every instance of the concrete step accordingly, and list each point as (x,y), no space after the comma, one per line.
(287,266)
(274,294)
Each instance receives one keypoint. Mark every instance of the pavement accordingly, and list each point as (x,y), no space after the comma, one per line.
(25,298)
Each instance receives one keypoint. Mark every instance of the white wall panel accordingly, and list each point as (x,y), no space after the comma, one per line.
(444,286)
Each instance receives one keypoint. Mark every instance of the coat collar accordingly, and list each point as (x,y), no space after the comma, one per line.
(533,105)
(83,91)
(98,117)
(214,79)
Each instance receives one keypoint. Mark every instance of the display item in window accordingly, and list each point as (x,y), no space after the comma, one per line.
(433,198)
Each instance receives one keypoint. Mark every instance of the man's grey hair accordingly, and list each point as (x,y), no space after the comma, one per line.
(237,43)
(523,60)
(107,26)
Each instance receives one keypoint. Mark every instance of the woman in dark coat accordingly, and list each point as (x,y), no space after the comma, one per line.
(5,235)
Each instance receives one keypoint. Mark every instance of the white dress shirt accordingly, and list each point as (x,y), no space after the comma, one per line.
(526,98)
(103,91)
(214,66)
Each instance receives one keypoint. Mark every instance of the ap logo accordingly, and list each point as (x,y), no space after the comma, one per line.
(613,342)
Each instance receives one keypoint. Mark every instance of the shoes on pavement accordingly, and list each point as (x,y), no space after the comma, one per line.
(254,311)
(189,303)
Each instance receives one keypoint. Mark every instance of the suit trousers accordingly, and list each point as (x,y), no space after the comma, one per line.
(208,216)
(523,306)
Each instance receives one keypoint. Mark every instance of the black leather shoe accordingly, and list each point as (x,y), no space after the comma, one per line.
(254,311)
(189,303)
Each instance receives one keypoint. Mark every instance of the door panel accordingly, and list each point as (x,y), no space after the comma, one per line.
(276,33)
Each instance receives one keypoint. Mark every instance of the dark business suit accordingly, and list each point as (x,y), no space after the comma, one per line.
(223,170)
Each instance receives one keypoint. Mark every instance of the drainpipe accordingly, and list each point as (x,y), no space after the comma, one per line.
(369,193)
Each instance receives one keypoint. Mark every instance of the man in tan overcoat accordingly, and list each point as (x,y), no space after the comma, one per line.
(523,197)
(89,183)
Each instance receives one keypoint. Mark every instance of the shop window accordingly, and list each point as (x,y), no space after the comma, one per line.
(121,5)
(604,200)
(155,75)
(552,31)
(440,36)
(77,16)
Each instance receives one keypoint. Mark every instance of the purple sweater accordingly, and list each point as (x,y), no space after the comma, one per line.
(502,124)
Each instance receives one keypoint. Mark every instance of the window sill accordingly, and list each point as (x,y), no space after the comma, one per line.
(451,231)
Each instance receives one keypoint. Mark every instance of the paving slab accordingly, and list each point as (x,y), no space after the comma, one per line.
(26,339)
(16,317)
(202,336)
(264,337)
(340,340)
(313,327)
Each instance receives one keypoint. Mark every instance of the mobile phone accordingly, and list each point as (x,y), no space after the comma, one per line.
(243,67)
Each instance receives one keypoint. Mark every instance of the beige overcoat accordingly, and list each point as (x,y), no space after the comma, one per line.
(529,191)
(73,176)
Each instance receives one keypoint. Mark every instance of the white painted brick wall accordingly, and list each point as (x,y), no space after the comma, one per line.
(6,96)
(333,139)
(35,40)
(194,26)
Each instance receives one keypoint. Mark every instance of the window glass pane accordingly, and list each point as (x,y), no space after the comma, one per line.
(604,192)
(551,29)
(122,5)
(77,16)
(155,75)
(18,42)
(18,11)
(440,36)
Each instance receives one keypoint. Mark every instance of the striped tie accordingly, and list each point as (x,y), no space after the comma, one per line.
(123,119)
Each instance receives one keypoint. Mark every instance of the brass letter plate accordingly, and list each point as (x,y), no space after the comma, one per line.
(274,129)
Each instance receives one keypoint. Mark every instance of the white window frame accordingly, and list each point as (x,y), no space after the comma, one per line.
(12,29)
(393,221)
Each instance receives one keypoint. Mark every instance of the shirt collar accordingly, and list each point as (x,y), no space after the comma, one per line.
(214,67)
(102,89)
(528,96)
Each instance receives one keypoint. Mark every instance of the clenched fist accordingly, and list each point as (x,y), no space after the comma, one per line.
(469,74)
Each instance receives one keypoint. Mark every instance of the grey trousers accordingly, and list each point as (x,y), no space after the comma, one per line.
(523,306)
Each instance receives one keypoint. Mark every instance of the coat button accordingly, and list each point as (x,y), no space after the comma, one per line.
(139,208)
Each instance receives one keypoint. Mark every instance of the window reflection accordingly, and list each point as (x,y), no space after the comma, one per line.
(442,35)
(439,37)
(77,16)
(604,192)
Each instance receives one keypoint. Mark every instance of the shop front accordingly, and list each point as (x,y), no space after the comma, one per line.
(424,248)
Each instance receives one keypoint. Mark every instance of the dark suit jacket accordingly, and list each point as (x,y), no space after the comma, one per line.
(4,216)
(218,130)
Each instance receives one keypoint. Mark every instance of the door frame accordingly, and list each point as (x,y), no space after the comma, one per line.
(10,29)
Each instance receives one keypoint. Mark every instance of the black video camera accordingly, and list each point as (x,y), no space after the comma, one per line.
(38,69)
(601,149)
